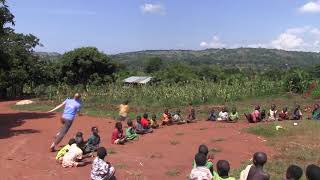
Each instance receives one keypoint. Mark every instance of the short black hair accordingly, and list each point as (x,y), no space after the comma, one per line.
(118,125)
(203,149)
(260,158)
(71,141)
(200,159)
(294,172)
(154,116)
(223,168)
(101,152)
(313,172)
(129,123)
(94,128)
(79,134)
(145,115)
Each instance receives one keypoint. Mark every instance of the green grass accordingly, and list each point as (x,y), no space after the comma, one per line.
(217,139)
(173,172)
(179,134)
(215,150)
(174,142)
(111,151)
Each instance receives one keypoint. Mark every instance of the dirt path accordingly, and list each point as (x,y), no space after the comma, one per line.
(26,136)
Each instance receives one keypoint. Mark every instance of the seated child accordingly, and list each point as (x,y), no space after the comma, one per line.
(212,115)
(177,118)
(233,116)
(200,171)
(166,118)
(117,135)
(255,116)
(313,172)
(140,129)
(297,114)
(102,170)
(64,150)
(223,114)
(153,122)
(191,115)
(293,173)
(145,122)
(273,113)
(93,142)
(73,157)
(316,112)
(123,110)
(203,149)
(130,131)
(223,168)
(284,115)
(79,138)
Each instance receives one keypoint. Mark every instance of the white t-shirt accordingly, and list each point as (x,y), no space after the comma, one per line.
(223,116)
(200,173)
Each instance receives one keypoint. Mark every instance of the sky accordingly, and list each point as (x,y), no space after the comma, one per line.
(115,26)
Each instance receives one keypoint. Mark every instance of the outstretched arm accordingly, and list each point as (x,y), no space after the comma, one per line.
(58,107)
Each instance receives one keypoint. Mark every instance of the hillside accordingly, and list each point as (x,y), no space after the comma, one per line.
(242,57)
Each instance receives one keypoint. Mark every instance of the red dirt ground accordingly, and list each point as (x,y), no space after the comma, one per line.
(25,138)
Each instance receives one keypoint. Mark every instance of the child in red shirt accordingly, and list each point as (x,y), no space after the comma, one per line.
(118,136)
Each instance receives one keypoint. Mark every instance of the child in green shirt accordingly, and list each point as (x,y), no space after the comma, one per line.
(233,116)
(204,150)
(223,168)
(131,132)
(64,150)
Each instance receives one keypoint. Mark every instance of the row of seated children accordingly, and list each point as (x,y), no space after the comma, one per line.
(72,153)
(203,168)
(176,118)
(224,115)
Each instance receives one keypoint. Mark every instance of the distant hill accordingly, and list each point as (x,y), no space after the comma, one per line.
(48,56)
(241,57)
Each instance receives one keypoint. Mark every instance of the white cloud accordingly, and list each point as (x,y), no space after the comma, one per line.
(153,8)
(214,43)
(311,7)
(287,41)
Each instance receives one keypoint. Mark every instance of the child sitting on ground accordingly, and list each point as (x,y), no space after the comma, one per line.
(273,113)
(166,118)
(131,132)
(316,112)
(297,114)
(284,115)
(223,114)
(64,150)
(117,135)
(80,140)
(93,142)
(223,168)
(145,122)
(192,114)
(233,116)
(212,115)
(255,116)
(203,149)
(139,127)
(200,171)
(153,122)
(102,170)
(73,157)
(177,118)
(123,110)
(293,173)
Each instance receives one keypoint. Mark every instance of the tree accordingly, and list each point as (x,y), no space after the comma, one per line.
(153,65)
(86,65)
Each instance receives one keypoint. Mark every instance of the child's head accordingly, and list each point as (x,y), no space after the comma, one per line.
(234,109)
(257,107)
(118,125)
(212,109)
(79,134)
(294,172)
(259,159)
(297,106)
(129,123)
(126,102)
(190,103)
(203,149)
(285,109)
(178,111)
(166,111)
(200,159)
(313,172)
(316,106)
(145,115)
(223,168)
(79,141)
(94,130)
(154,117)
(139,119)
(224,109)
(193,111)
(71,141)
(273,107)
(101,152)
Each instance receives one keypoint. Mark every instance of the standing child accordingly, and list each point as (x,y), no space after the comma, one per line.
(123,110)
(93,142)
(64,150)
(166,118)
(131,132)
(102,170)
(223,168)
(233,116)
(200,171)
(73,157)
(223,114)
(297,114)
(273,113)
(192,114)
(212,115)
(153,122)
(284,115)
(117,135)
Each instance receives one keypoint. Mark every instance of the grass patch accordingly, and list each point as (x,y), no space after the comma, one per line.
(217,140)
(174,142)
(173,172)
(121,166)
(156,155)
(111,151)
(203,128)
(215,150)
(179,134)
